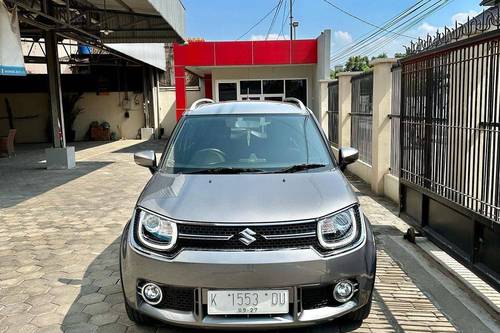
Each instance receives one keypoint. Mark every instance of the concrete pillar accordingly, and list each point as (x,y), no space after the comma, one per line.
(323,104)
(345,101)
(322,77)
(381,135)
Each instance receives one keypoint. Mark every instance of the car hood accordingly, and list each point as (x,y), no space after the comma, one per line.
(247,198)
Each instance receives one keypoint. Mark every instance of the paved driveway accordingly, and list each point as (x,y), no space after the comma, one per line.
(59,234)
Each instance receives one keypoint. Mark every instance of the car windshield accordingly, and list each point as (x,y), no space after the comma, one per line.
(247,144)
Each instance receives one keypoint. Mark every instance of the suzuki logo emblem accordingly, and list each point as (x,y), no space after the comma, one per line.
(247,236)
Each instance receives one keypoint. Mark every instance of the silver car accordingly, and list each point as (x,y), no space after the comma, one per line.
(247,222)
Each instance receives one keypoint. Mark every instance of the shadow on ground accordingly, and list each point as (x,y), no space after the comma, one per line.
(22,181)
(157,145)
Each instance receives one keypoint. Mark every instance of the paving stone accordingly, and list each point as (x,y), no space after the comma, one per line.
(112,328)
(80,328)
(44,308)
(104,318)
(96,308)
(75,318)
(12,299)
(26,328)
(91,298)
(39,299)
(47,319)
(50,329)
(16,320)
(14,309)
(114,299)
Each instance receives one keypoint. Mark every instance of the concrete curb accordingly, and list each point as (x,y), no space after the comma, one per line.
(480,288)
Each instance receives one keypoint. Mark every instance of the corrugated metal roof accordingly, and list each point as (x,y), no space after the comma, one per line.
(164,22)
(142,21)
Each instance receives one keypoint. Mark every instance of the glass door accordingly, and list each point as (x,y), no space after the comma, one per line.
(273,90)
(251,90)
(227,91)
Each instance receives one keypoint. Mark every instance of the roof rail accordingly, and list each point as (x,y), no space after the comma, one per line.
(200,102)
(297,101)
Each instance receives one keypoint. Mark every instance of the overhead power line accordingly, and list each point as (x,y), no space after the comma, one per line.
(276,12)
(406,20)
(375,34)
(375,45)
(283,19)
(363,20)
(259,21)
(386,42)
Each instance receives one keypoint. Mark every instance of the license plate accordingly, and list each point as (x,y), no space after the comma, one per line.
(231,302)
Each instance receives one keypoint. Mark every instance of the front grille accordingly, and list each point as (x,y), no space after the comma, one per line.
(267,237)
(178,298)
(268,229)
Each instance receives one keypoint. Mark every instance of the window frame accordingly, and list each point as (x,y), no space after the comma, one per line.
(241,97)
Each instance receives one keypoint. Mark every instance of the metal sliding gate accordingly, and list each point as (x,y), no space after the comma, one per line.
(333,113)
(450,145)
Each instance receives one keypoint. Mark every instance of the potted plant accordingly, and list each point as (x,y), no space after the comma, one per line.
(71,111)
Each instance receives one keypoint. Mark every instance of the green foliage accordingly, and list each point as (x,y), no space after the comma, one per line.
(357,64)
(380,56)
(401,54)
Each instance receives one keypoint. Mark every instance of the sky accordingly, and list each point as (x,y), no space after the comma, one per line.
(229,19)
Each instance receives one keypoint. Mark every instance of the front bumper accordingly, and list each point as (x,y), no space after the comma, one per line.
(296,270)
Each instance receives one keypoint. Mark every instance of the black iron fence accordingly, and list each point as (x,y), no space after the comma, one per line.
(333,113)
(395,120)
(450,146)
(362,115)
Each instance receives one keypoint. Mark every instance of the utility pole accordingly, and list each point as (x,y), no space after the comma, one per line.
(291,19)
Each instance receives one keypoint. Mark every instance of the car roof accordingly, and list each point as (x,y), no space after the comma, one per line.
(246,107)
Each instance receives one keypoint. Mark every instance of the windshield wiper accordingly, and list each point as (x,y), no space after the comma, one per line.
(299,167)
(224,170)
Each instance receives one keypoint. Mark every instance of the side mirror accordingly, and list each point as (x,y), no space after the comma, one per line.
(347,156)
(146,158)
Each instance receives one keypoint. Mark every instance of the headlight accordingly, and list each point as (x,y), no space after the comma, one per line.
(156,232)
(338,230)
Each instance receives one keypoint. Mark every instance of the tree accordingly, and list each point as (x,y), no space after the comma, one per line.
(357,64)
(380,56)
(333,74)
(401,54)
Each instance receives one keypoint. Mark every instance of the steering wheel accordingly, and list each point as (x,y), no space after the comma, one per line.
(208,156)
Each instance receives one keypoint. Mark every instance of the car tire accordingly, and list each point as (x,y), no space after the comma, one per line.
(362,313)
(135,315)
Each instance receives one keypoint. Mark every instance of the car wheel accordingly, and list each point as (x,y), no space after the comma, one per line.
(362,313)
(135,315)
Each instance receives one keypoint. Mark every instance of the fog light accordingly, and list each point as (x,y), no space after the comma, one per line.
(343,291)
(152,293)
